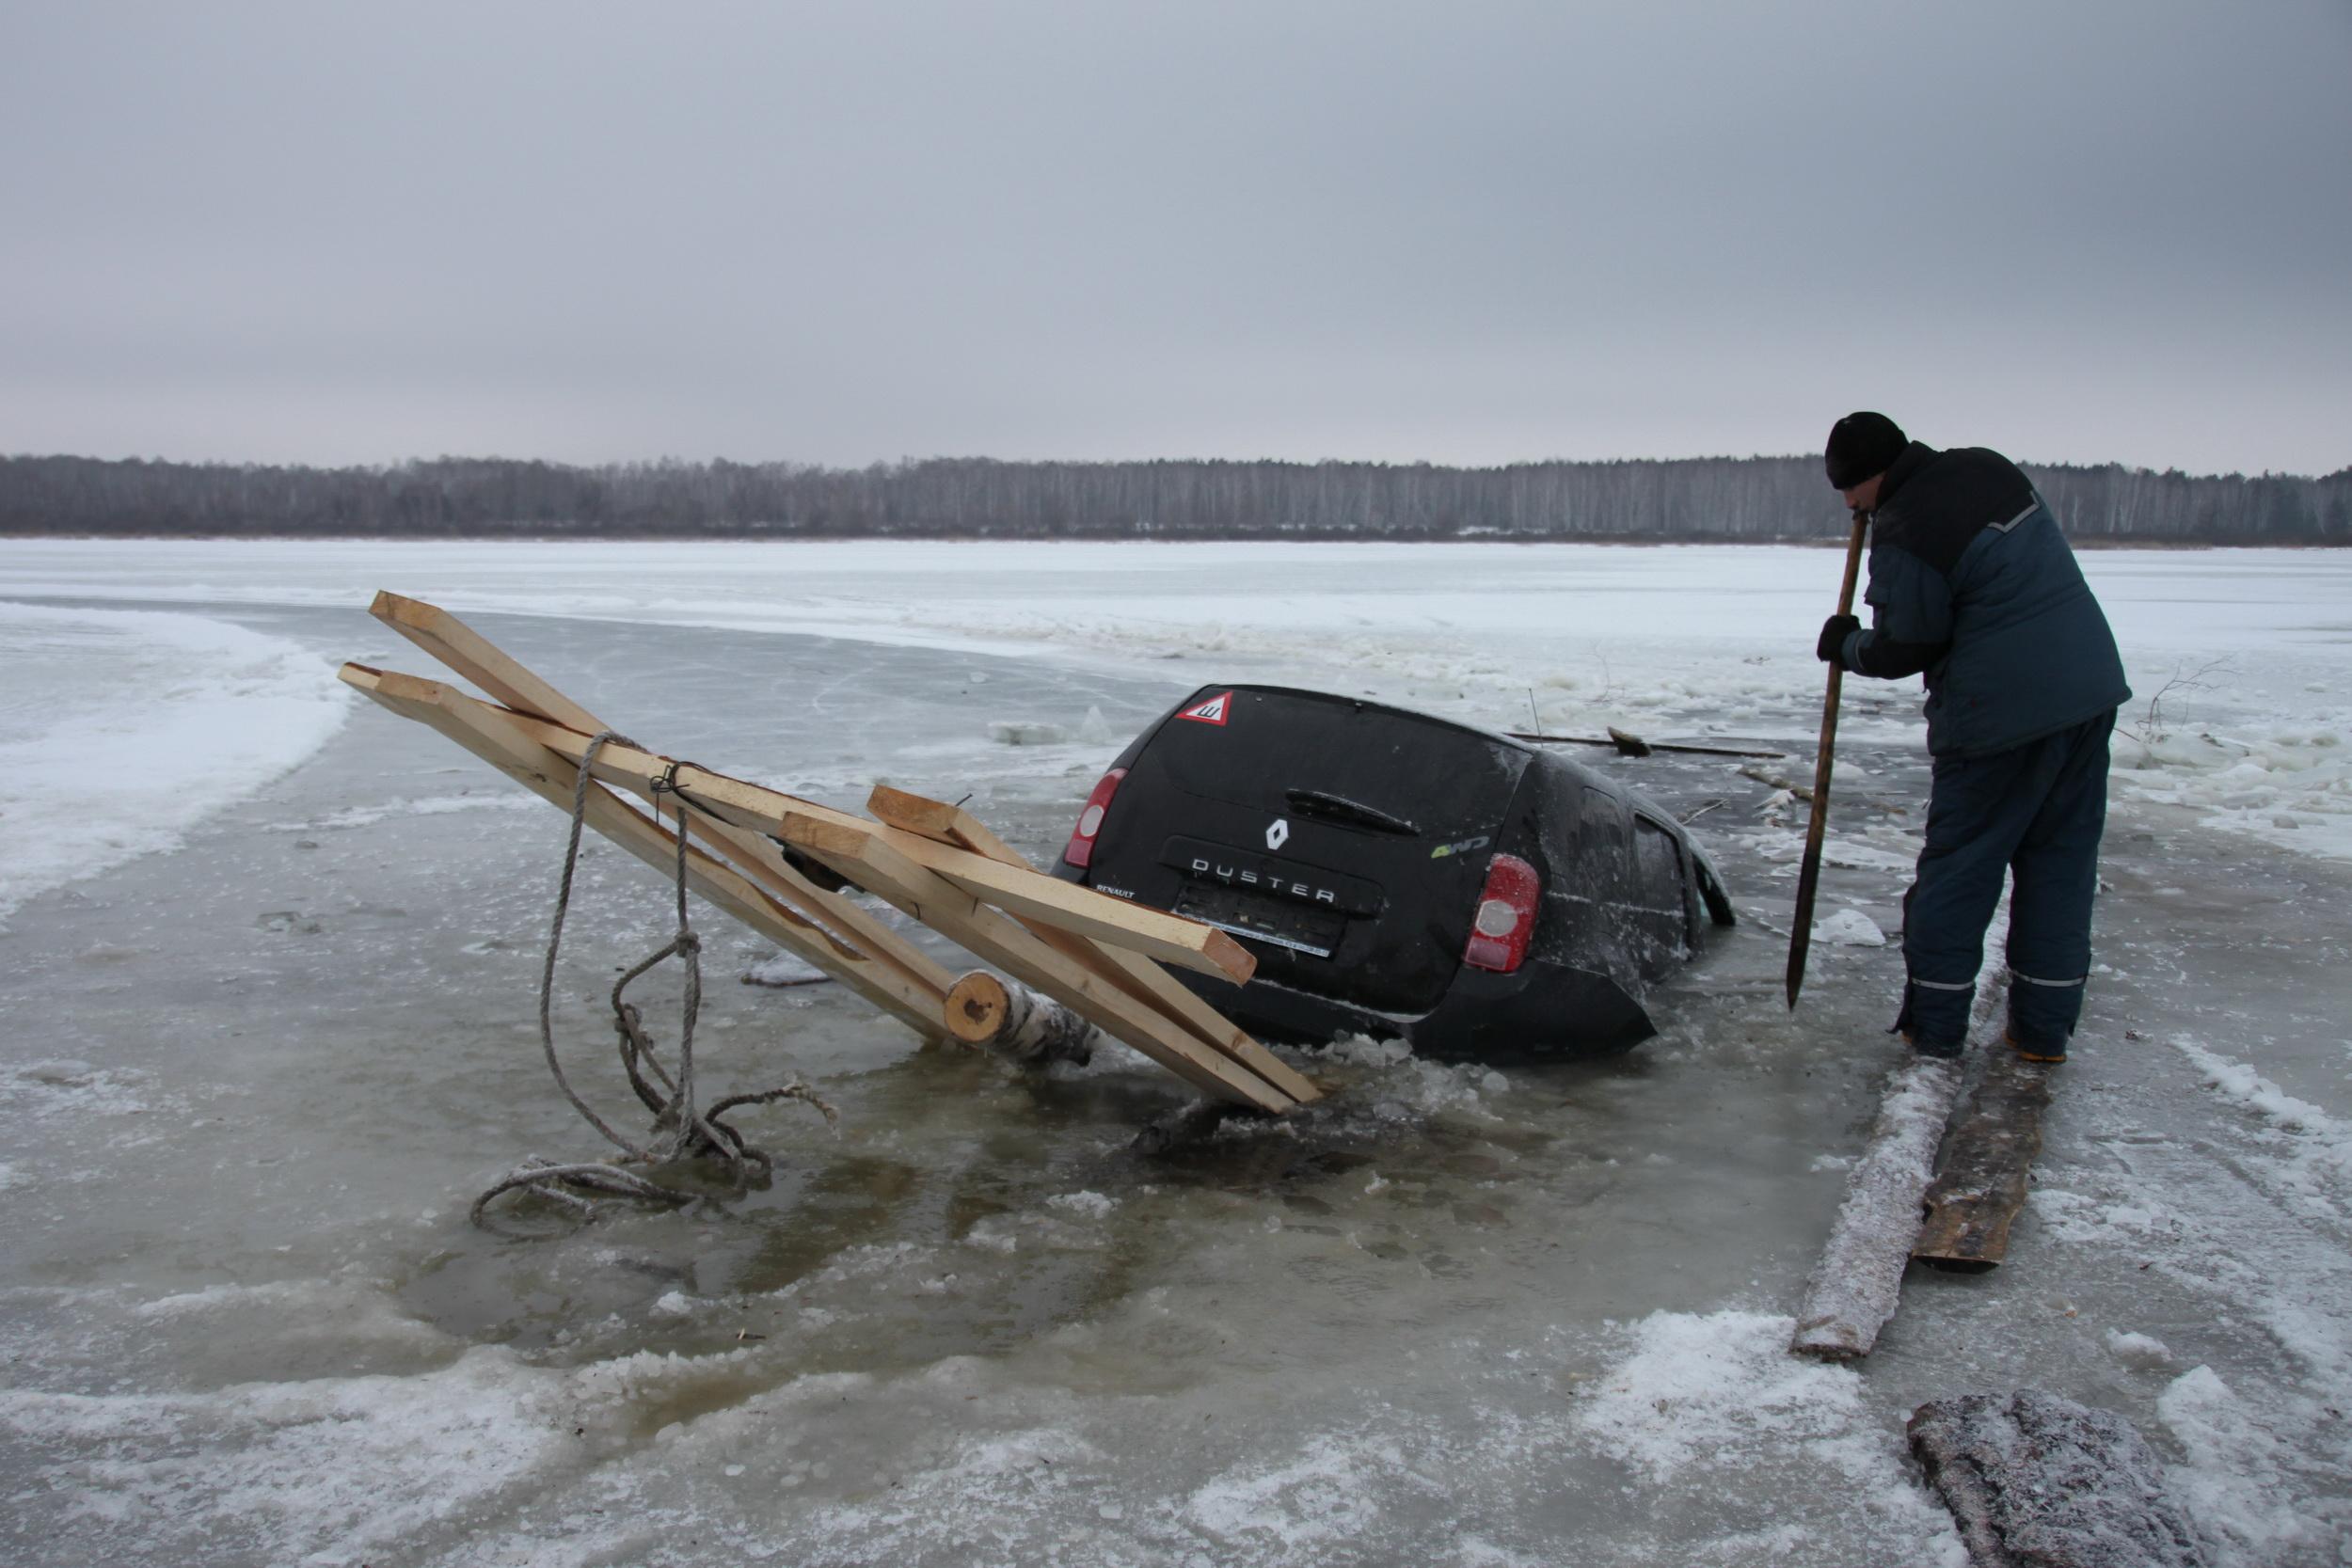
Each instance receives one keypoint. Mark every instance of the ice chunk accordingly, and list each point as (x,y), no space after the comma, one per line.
(1013,732)
(2138,1351)
(783,968)
(1849,929)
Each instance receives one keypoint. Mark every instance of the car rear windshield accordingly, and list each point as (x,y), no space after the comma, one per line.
(1343,761)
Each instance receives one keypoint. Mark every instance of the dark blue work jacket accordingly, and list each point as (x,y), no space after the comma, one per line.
(1973,586)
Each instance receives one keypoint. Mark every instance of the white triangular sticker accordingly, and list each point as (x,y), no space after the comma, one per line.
(1214,711)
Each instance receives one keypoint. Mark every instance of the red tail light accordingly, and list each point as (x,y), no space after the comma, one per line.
(1506,915)
(1079,852)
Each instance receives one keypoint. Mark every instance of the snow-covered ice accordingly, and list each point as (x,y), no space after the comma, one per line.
(271,964)
(121,729)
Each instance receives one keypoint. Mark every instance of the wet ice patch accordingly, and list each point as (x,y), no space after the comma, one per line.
(433,805)
(1036,1230)
(1719,1392)
(68,1088)
(1091,1205)
(1707,1387)
(255,1329)
(2106,1218)
(1327,1494)
(280,1471)
(2310,1152)
(2234,1477)
(167,719)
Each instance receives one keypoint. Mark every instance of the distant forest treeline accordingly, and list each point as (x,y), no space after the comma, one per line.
(1760,498)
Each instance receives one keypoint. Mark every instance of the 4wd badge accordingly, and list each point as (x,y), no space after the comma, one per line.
(1279,833)
(1215,711)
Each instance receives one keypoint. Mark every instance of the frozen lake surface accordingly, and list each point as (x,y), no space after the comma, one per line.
(270,956)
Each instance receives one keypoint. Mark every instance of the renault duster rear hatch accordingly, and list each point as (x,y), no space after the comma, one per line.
(1347,842)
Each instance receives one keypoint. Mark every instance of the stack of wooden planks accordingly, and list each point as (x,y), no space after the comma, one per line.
(1097,956)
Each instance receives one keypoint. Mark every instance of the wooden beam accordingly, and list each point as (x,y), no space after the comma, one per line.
(472,725)
(481,661)
(1062,904)
(1132,972)
(878,866)
(857,934)
(760,859)
(519,689)
(1975,1197)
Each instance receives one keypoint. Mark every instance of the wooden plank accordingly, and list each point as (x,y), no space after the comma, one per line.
(1062,904)
(878,864)
(480,660)
(760,859)
(1987,1162)
(470,724)
(1131,971)
(1856,1285)
(856,932)
(941,822)
(512,683)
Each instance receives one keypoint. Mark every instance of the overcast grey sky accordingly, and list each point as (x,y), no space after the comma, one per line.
(2075,230)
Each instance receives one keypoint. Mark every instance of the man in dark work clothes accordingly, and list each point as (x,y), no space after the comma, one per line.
(1973,586)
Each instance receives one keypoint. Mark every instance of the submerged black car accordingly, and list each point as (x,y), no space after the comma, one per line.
(1397,873)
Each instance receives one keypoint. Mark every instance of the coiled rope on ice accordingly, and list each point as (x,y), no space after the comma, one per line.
(681,1130)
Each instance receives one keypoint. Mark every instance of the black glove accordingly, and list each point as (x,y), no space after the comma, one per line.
(1830,649)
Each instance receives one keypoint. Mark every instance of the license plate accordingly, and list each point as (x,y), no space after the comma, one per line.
(1274,920)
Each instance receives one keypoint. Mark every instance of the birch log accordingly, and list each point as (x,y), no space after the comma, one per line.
(1009,1019)
(1856,1285)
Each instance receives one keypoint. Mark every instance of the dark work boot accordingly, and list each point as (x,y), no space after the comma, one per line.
(2049,1056)
(1943,1051)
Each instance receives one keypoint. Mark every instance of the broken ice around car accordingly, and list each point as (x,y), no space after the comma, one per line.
(1395,874)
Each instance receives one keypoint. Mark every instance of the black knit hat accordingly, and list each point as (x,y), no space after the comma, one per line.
(1861,445)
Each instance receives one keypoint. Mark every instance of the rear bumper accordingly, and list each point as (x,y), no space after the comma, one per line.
(1542,1009)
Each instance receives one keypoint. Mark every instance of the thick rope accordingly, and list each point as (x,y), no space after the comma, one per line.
(690,1134)
(555,942)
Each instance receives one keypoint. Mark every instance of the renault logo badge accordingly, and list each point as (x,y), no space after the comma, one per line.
(1279,834)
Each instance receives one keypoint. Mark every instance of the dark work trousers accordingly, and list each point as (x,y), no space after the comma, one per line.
(2034,811)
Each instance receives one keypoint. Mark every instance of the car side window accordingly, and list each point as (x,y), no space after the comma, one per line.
(1658,859)
(1603,849)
